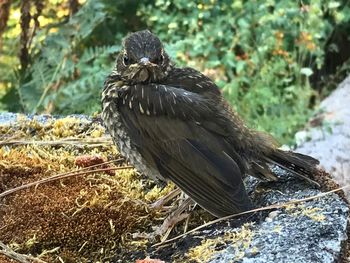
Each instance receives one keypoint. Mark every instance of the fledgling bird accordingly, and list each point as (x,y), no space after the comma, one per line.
(173,123)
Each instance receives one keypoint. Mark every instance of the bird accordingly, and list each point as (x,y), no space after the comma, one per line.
(173,123)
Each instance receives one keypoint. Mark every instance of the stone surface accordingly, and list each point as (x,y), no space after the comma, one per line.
(9,118)
(313,231)
(329,141)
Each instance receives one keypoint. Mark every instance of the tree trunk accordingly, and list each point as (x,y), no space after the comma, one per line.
(4,16)
(25,20)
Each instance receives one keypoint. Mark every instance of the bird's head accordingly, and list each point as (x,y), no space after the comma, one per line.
(142,58)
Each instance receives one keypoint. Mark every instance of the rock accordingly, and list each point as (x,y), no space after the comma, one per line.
(329,141)
(313,231)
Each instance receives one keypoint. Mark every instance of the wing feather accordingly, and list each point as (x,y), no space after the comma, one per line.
(176,137)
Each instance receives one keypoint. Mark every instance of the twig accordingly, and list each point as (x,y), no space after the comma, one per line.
(8,252)
(70,141)
(270,207)
(82,171)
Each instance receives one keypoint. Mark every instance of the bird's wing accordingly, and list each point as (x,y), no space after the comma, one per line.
(185,137)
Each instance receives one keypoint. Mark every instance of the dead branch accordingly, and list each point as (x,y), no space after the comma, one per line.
(69,141)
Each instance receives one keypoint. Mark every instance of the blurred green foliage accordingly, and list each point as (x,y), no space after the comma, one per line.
(261,53)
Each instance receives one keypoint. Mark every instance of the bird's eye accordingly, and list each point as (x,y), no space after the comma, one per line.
(126,60)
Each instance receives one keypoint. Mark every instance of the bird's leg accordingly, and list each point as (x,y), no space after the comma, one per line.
(165,199)
(188,218)
(174,218)
(176,214)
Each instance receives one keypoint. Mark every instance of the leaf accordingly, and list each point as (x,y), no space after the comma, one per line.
(306,71)
(333,5)
(240,65)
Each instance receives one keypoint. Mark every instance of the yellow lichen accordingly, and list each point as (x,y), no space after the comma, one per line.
(277,229)
(240,240)
(311,212)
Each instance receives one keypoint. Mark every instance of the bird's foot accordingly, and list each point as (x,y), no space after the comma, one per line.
(179,214)
(159,204)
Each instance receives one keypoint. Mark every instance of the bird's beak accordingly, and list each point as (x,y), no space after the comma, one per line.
(142,73)
(144,61)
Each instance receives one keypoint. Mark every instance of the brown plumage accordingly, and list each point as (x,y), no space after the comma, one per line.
(173,123)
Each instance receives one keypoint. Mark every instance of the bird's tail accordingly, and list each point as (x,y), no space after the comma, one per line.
(299,164)
(302,165)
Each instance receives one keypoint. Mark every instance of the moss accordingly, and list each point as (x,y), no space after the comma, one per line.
(81,217)
(4,259)
(154,194)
